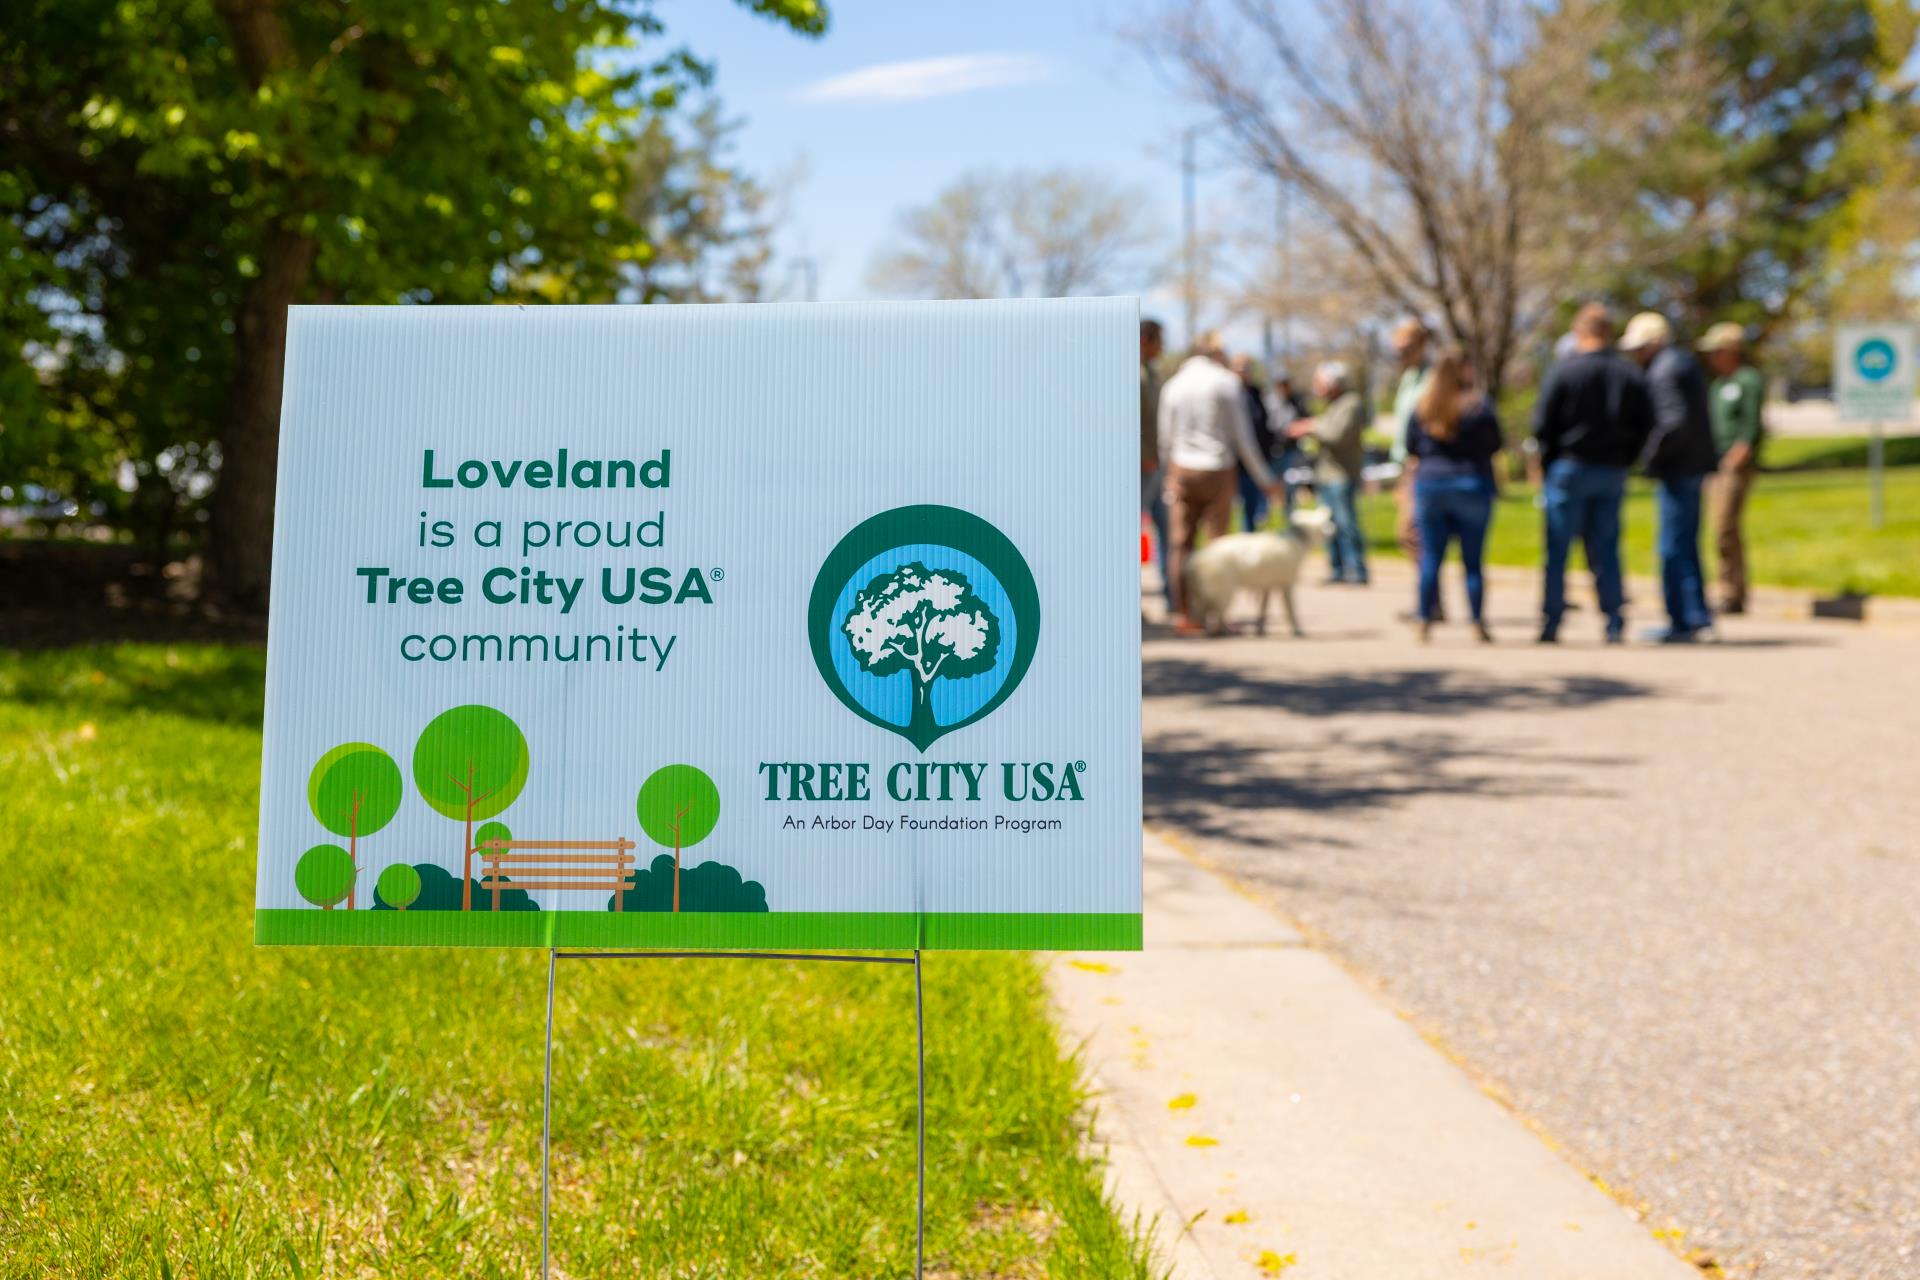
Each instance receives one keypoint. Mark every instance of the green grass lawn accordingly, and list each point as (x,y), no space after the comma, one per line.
(1805,528)
(175,1102)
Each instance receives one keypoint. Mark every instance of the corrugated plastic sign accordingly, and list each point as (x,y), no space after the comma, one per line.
(774,626)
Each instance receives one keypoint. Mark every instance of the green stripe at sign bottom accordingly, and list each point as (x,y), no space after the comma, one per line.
(710,930)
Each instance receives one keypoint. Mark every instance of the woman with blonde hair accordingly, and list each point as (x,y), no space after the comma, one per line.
(1455,435)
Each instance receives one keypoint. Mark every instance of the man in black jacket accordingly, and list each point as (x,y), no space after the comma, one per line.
(1680,455)
(1591,422)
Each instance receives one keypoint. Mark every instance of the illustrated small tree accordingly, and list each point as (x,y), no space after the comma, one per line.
(354,790)
(678,806)
(927,623)
(469,764)
(398,886)
(324,875)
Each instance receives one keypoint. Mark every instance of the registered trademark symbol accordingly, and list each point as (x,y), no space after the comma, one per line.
(1079,766)
(718,575)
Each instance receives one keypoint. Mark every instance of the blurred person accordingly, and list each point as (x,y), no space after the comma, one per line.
(1453,435)
(1410,341)
(1152,503)
(1285,407)
(1338,429)
(1737,394)
(1203,428)
(1679,455)
(1591,421)
(1253,499)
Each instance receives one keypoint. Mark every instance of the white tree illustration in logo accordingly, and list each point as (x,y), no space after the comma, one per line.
(927,623)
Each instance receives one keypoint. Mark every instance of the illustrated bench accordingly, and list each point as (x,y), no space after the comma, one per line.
(605,865)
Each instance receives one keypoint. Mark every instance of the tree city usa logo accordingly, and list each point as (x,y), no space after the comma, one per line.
(923,620)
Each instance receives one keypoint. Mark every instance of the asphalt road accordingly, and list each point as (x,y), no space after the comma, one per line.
(1666,902)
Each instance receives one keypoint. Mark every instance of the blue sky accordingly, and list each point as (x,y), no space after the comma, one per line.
(1051,83)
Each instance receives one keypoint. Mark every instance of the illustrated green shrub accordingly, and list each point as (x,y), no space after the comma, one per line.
(354,790)
(441,890)
(707,886)
(397,886)
(469,764)
(678,806)
(324,875)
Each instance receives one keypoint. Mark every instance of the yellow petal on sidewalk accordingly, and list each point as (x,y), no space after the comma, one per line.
(1182,1103)
(1272,1264)
(1202,1140)
(1237,1216)
(1092,966)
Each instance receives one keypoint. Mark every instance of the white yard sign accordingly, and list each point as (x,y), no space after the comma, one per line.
(706,626)
(1873,372)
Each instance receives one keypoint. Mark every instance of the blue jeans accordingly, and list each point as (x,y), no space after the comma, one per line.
(1583,501)
(1682,581)
(1448,507)
(1253,501)
(1153,500)
(1347,550)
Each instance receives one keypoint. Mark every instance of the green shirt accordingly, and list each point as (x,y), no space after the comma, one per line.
(1736,401)
(1338,429)
(1405,396)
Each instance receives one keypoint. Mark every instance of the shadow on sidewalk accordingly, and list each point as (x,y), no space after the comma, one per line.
(1426,691)
(1267,760)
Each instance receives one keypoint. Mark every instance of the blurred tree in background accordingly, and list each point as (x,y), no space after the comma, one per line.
(1050,233)
(175,173)
(1728,148)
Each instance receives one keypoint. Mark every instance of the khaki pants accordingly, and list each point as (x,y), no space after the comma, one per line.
(1729,495)
(1196,500)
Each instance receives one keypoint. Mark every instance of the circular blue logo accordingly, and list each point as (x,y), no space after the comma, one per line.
(923,619)
(1875,359)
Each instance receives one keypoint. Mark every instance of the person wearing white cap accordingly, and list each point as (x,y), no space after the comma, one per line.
(1336,478)
(1680,455)
(1736,395)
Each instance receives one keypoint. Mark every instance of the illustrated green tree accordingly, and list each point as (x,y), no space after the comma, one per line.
(176,173)
(354,790)
(398,886)
(469,764)
(324,875)
(678,805)
(927,623)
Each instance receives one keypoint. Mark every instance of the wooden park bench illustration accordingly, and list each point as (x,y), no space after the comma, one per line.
(605,865)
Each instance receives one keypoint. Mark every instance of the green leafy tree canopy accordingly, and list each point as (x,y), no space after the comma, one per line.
(324,875)
(397,886)
(355,789)
(470,762)
(178,172)
(678,806)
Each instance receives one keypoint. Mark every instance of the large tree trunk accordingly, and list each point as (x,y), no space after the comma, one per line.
(240,540)
(242,531)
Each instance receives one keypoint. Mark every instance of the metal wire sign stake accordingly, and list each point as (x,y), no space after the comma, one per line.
(920,1071)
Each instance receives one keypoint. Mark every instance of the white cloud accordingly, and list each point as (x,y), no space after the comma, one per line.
(929,78)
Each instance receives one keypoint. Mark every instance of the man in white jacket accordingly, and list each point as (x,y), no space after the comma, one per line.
(1204,432)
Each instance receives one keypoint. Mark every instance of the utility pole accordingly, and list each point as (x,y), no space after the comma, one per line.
(1190,285)
(1286,270)
(810,271)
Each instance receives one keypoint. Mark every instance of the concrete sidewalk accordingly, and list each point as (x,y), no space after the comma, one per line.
(1249,1087)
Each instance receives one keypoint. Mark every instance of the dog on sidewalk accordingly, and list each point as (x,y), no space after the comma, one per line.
(1265,562)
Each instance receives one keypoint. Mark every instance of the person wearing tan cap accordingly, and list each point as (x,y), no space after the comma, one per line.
(1680,455)
(1736,396)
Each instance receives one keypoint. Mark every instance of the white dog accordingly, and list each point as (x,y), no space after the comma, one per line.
(1265,562)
